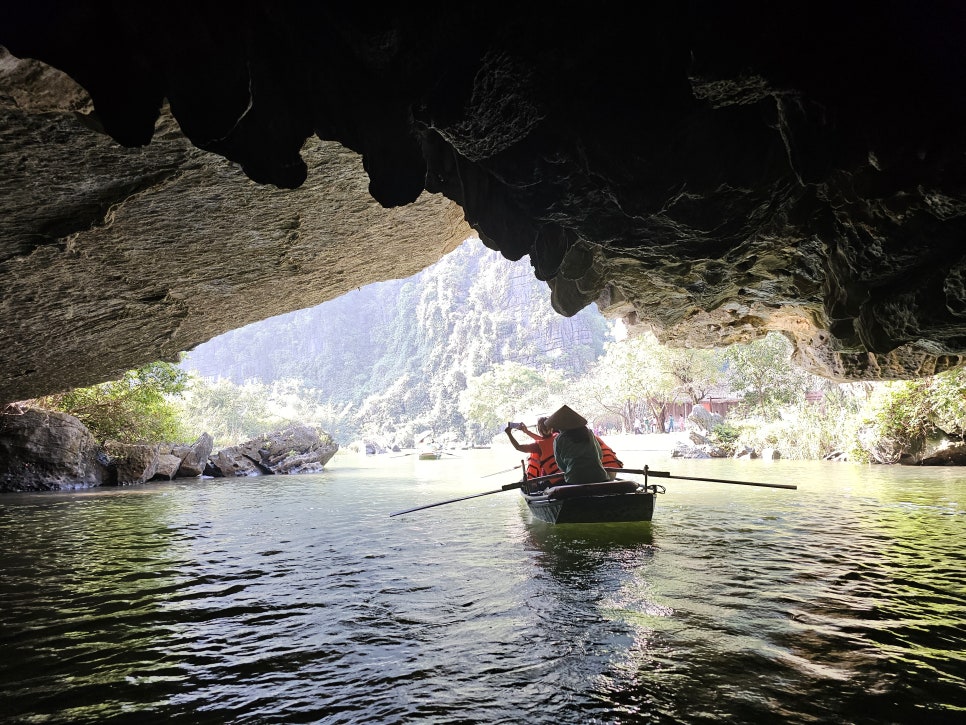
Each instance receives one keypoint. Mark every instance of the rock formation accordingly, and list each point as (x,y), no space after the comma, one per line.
(709,170)
(50,451)
(299,449)
(45,450)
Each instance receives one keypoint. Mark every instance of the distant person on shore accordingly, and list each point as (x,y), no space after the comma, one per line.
(576,449)
(542,461)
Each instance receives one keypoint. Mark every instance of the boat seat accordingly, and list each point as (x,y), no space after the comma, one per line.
(606,488)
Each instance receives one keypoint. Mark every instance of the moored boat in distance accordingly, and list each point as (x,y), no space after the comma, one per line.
(433,455)
(620,500)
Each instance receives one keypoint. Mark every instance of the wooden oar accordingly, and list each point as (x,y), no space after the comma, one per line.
(499,472)
(667,474)
(507,487)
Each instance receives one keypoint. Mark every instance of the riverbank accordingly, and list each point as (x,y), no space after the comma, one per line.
(644,443)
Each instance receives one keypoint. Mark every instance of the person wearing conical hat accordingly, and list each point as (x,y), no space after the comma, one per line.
(575,448)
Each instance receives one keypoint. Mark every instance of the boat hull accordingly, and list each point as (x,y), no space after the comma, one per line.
(592,503)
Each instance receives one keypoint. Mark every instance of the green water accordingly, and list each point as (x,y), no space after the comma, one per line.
(298,599)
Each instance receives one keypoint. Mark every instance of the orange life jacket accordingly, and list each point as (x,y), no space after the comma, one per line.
(608,458)
(542,462)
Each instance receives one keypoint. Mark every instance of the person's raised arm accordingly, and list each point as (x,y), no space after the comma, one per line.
(513,441)
(523,427)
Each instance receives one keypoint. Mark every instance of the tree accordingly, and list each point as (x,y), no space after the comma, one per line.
(897,420)
(947,396)
(696,371)
(762,371)
(230,413)
(136,408)
(506,391)
(632,380)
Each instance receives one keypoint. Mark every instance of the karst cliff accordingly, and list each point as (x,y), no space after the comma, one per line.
(708,170)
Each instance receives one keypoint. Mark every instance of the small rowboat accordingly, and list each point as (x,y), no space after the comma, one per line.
(592,503)
(430,455)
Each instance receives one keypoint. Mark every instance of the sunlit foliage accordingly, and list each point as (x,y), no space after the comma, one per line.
(763,374)
(395,357)
(137,408)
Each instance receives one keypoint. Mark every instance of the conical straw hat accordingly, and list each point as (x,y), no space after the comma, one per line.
(566,418)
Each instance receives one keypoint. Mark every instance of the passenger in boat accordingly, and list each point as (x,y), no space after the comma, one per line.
(576,449)
(541,461)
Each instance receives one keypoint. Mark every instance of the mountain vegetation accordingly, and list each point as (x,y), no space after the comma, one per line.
(395,358)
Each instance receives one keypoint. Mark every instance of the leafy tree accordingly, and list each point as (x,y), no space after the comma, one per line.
(897,420)
(231,413)
(632,380)
(696,371)
(762,371)
(136,408)
(901,416)
(505,391)
(947,396)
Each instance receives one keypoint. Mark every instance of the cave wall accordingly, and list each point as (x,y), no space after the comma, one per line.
(708,170)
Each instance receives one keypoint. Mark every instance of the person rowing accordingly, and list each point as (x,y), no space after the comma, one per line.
(576,449)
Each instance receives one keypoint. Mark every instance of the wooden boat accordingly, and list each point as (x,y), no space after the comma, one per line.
(614,501)
(592,503)
(430,455)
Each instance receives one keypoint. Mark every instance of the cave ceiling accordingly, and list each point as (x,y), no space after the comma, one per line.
(710,171)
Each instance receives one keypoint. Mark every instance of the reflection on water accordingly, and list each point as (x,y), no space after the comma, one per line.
(574,553)
(298,599)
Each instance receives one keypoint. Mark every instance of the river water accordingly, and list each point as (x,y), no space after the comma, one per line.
(299,599)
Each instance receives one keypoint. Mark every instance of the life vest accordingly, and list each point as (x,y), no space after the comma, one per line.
(542,461)
(608,458)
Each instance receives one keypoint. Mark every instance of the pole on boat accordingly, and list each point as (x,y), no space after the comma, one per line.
(506,470)
(667,474)
(507,487)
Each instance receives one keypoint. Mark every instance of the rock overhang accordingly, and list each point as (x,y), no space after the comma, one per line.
(711,172)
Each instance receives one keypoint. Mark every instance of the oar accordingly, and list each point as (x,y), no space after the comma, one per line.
(403,455)
(499,472)
(667,474)
(507,487)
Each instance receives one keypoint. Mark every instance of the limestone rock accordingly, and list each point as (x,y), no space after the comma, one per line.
(167,468)
(685,450)
(134,463)
(195,458)
(711,171)
(299,449)
(120,251)
(953,455)
(704,420)
(43,451)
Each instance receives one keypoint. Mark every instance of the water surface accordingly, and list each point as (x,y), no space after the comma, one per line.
(298,599)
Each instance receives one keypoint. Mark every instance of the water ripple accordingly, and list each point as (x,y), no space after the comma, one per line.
(288,600)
